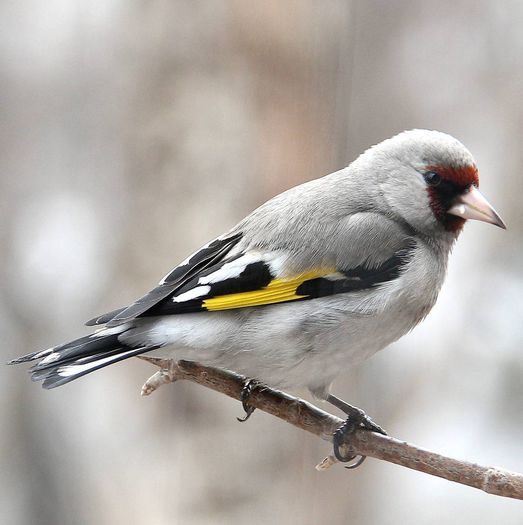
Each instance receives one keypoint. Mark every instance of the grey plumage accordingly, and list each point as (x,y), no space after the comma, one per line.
(381,208)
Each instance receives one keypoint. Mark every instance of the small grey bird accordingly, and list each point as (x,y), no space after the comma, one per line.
(316,279)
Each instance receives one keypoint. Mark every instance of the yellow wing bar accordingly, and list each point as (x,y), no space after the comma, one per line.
(277,291)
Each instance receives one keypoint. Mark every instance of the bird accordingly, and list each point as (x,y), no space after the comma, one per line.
(317,279)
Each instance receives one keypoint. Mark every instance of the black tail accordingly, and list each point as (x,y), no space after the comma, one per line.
(72,360)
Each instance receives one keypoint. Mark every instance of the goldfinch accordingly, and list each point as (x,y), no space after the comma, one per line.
(316,279)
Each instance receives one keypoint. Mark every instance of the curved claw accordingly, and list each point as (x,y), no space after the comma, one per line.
(356,420)
(248,412)
(247,389)
(357,463)
(348,427)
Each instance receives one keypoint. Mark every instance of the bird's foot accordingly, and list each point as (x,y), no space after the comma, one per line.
(166,374)
(341,435)
(356,419)
(248,387)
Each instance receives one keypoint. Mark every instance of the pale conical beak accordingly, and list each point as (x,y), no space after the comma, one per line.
(472,205)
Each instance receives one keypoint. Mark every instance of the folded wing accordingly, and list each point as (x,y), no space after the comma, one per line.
(220,277)
(251,279)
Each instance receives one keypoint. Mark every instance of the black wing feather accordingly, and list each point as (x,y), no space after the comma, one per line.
(257,275)
(104,318)
(254,276)
(207,256)
(359,277)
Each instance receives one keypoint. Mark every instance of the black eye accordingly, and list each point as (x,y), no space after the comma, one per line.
(432,178)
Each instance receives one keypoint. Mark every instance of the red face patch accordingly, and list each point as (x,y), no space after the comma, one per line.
(452,182)
(461,176)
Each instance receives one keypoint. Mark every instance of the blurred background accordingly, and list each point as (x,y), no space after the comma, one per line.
(131,133)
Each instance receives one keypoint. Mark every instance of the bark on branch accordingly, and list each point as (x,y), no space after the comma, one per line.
(306,416)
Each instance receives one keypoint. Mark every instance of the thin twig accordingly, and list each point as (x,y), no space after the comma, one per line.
(306,416)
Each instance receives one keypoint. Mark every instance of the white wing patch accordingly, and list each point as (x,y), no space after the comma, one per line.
(199,291)
(277,262)
(102,332)
(231,269)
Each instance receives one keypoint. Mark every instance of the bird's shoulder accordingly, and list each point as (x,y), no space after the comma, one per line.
(345,240)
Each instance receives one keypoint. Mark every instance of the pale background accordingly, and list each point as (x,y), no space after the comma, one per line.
(131,133)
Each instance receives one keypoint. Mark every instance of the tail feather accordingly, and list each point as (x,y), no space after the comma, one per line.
(30,357)
(69,361)
(45,355)
(63,374)
(78,350)
(41,372)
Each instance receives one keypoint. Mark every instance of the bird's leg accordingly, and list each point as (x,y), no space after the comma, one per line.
(166,374)
(248,387)
(356,418)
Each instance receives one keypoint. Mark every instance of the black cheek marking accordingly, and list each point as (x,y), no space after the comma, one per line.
(441,198)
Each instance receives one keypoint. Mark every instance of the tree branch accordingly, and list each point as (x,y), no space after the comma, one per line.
(306,416)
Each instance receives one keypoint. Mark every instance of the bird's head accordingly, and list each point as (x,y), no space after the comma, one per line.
(430,180)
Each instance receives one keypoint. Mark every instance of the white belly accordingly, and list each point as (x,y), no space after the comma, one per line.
(291,345)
